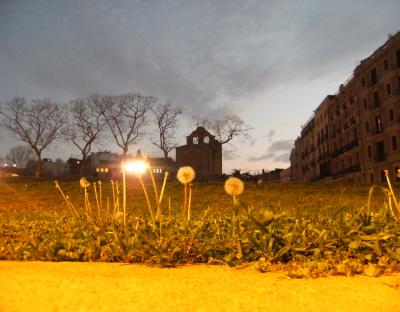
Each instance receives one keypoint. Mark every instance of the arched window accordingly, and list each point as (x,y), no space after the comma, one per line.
(195,140)
(206,139)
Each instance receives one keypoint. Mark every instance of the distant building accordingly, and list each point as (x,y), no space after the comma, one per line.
(354,134)
(103,164)
(285,176)
(202,152)
(158,165)
(273,176)
(49,168)
(108,165)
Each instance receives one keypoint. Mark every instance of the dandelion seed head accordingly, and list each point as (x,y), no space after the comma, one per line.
(234,186)
(185,175)
(83,182)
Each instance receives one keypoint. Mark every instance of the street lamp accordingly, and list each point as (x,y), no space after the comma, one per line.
(137,167)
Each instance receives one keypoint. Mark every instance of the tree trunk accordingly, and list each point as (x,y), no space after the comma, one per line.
(38,164)
(82,166)
(165,154)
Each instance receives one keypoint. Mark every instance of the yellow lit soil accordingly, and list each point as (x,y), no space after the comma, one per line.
(68,286)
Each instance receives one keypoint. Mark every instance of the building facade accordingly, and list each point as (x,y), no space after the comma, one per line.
(202,152)
(354,134)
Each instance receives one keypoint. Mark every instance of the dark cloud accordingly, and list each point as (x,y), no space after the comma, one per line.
(277,151)
(285,157)
(204,55)
(208,57)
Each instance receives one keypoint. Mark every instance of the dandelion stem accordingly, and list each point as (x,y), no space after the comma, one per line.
(185,199)
(153,180)
(97,200)
(189,202)
(70,206)
(148,200)
(124,193)
(163,186)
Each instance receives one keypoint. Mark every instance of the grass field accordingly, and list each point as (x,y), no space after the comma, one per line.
(307,229)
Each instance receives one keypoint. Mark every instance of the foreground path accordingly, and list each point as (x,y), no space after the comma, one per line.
(67,286)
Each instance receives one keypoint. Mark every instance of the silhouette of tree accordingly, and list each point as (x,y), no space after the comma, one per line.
(37,124)
(126,116)
(226,128)
(86,123)
(20,155)
(166,117)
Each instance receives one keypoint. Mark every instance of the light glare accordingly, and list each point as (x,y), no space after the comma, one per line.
(136,167)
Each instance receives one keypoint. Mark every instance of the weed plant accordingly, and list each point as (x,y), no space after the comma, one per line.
(306,230)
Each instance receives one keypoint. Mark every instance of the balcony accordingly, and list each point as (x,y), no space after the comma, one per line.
(377,131)
(380,157)
(374,105)
(349,146)
(352,169)
(337,152)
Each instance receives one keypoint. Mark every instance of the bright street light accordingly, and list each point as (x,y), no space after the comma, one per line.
(138,167)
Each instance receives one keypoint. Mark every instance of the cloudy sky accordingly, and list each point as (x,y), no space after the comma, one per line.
(270,62)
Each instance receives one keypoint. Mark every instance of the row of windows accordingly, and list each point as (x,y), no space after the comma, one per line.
(380,147)
(378,122)
(373,75)
(105,170)
(196,140)
(383,177)
(347,162)
(102,170)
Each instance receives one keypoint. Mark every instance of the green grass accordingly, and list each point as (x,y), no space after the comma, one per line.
(306,229)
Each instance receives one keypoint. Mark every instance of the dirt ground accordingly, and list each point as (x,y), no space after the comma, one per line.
(68,286)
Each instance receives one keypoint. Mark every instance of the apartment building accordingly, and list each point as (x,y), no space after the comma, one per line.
(355,133)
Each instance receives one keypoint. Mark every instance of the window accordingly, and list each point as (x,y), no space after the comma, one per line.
(367,126)
(365,103)
(377,101)
(374,77)
(385,64)
(378,124)
(363,81)
(391,114)
(371,178)
(369,151)
(388,89)
(195,140)
(206,140)
(394,143)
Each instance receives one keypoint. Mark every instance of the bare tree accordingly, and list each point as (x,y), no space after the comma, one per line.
(37,124)
(85,125)
(125,116)
(166,117)
(226,128)
(20,155)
